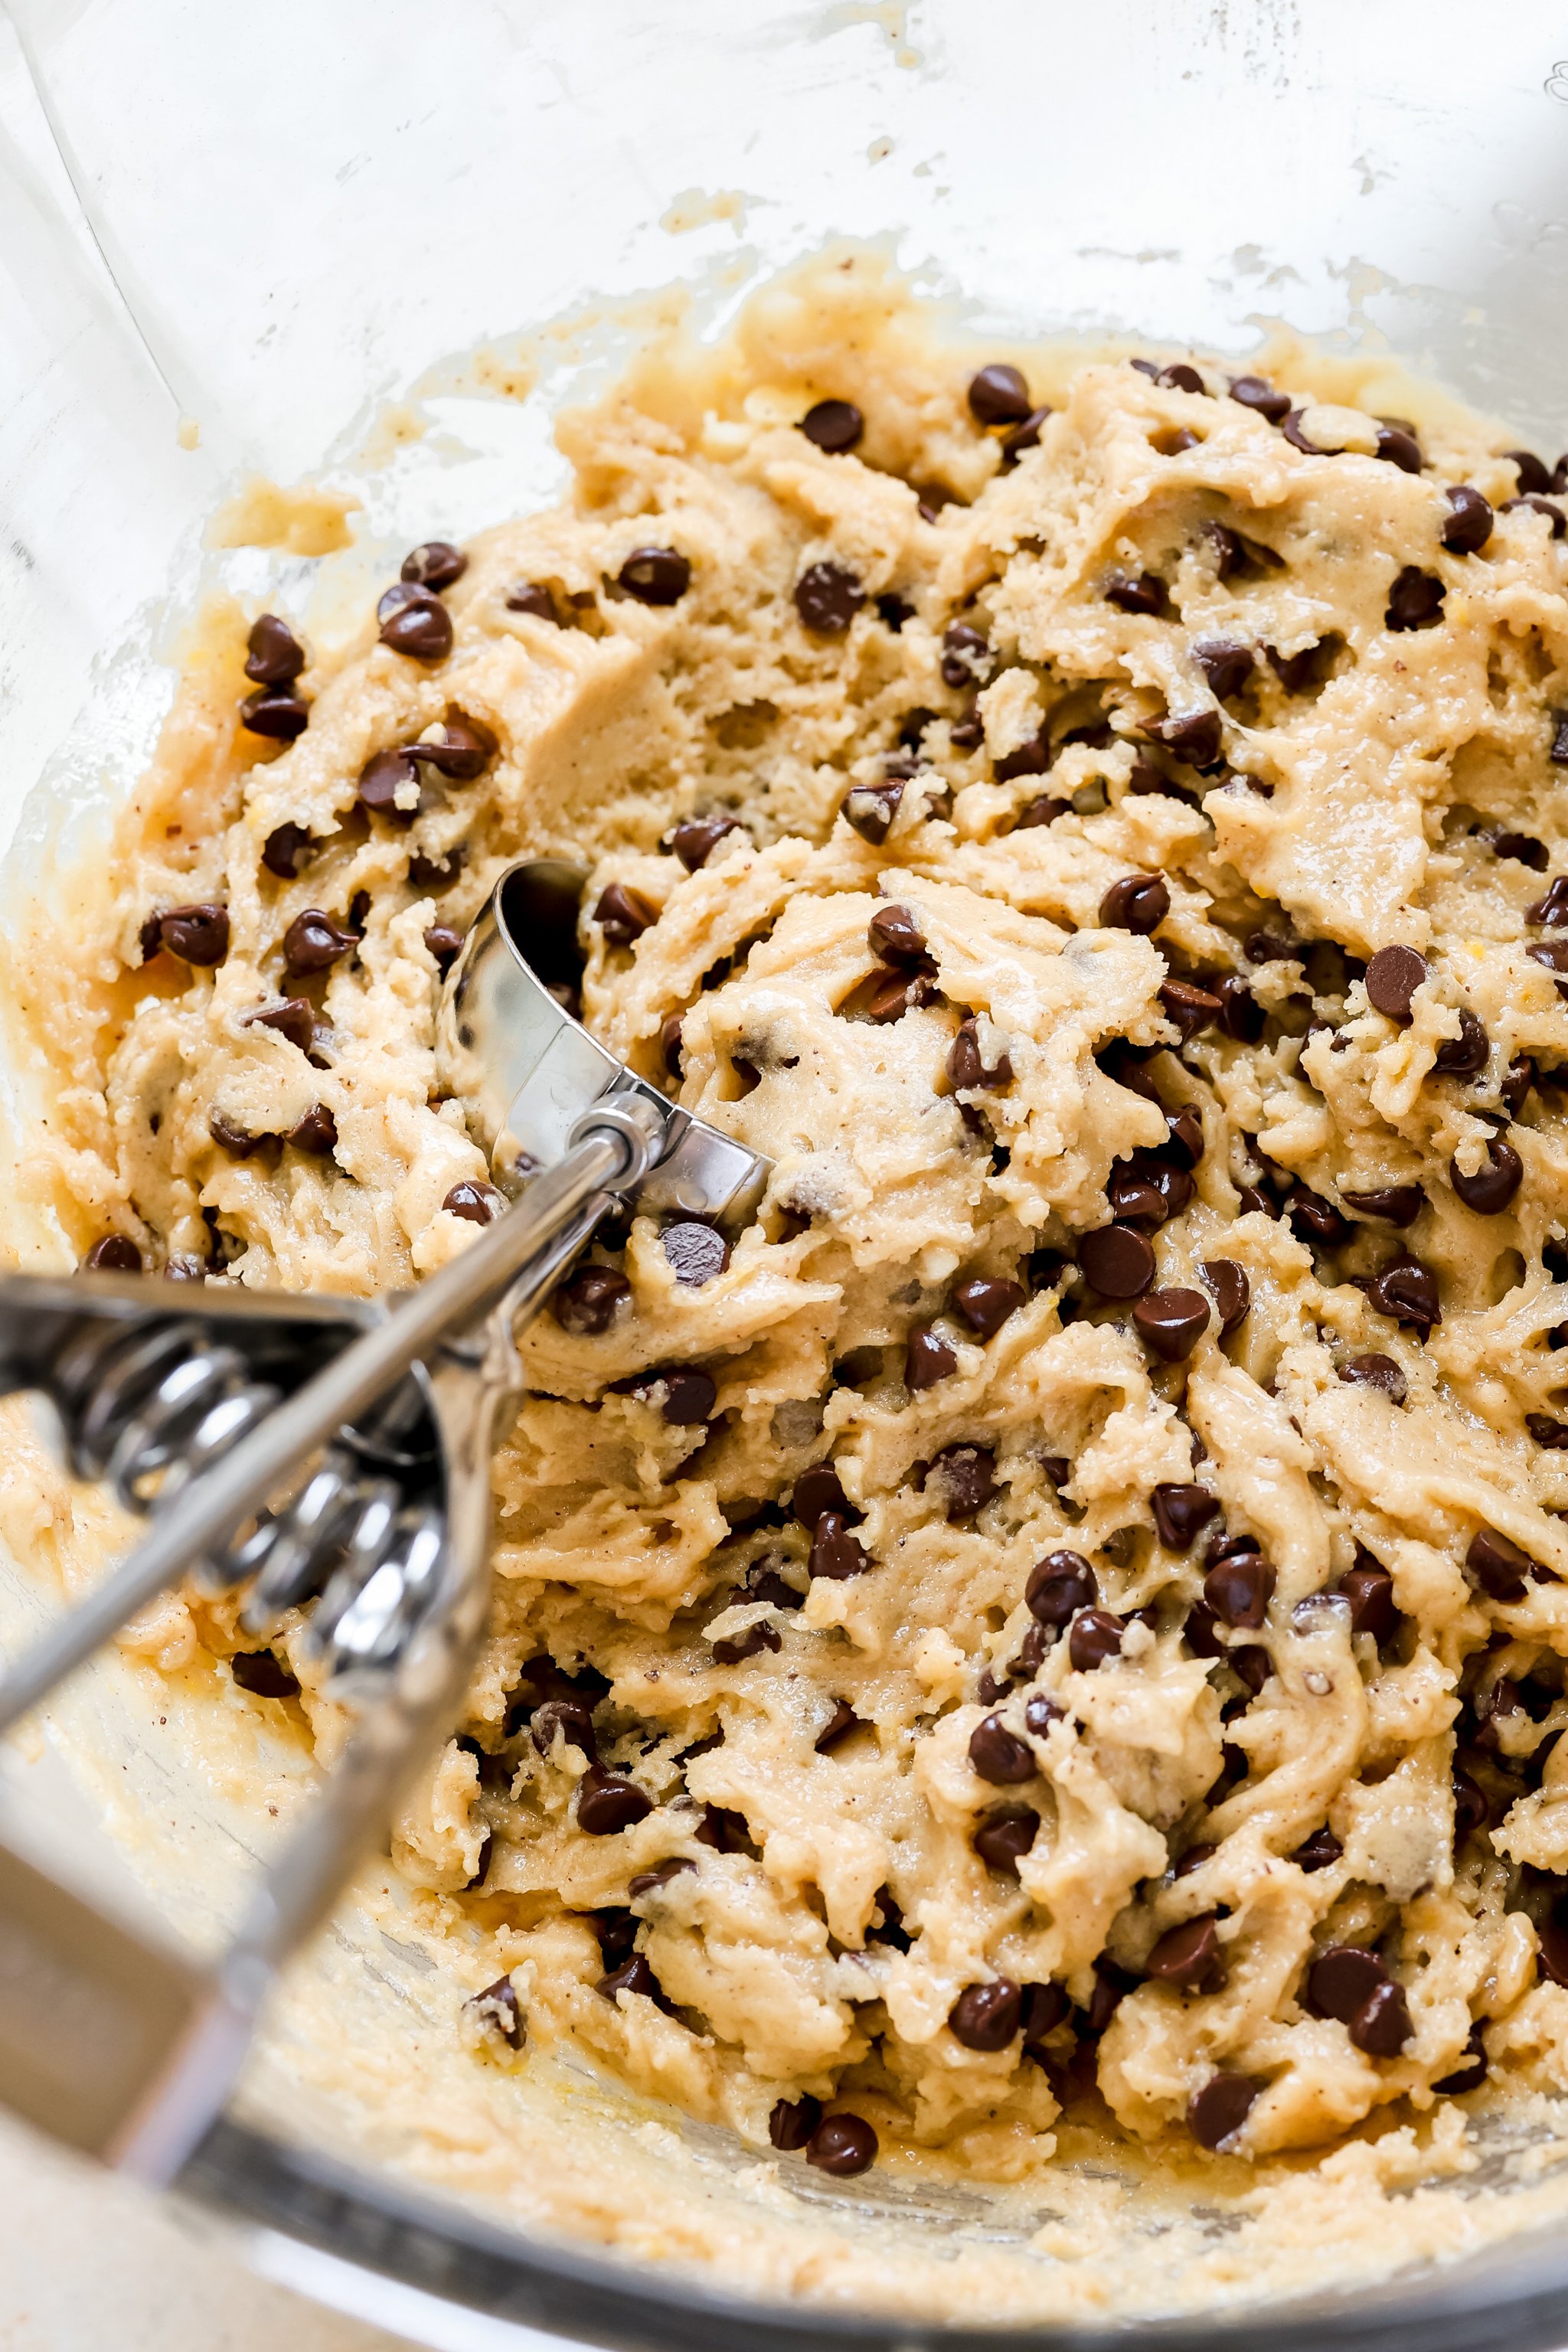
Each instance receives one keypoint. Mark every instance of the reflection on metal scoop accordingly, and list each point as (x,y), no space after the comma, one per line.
(525,1070)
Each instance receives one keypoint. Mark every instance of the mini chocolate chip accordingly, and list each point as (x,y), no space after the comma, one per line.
(533,597)
(1118,1261)
(696,839)
(286,849)
(1232,1291)
(999,395)
(928,1358)
(1257,393)
(413,621)
(966,1070)
(436,564)
(816,1491)
(1342,1979)
(315,1133)
(607,1803)
(966,1478)
(835,1552)
(196,934)
(696,1252)
(1495,1182)
(1416,600)
(293,1017)
(1172,1322)
(1190,1008)
(1467,525)
(833,425)
(1138,903)
(655,575)
(1058,1587)
(986,1305)
(1188,1957)
(313,941)
(274,655)
(894,934)
(1238,1591)
(1004,1834)
(273,712)
(1368,1589)
(1392,1204)
(1465,1055)
(792,2122)
(869,810)
(115,1254)
(444,943)
(999,1755)
(585,1303)
(1096,1634)
(987,2016)
(623,914)
(1181,1514)
(1378,1373)
(842,2146)
(1217,2112)
(1382,2026)
(1144,592)
(481,1204)
(1194,738)
(1392,978)
(1499,1566)
(827,598)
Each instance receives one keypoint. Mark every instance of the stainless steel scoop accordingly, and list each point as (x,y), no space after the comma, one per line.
(333,1451)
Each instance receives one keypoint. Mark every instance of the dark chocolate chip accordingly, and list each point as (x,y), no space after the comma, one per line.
(1471,1811)
(607,1803)
(894,934)
(1172,1322)
(264,1674)
(444,943)
(1533,505)
(1194,738)
(696,1252)
(1319,1851)
(750,1644)
(1058,1587)
(1465,1055)
(835,1552)
(839,1725)
(999,1755)
(986,1305)
(1190,1008)
(696,839)
(481,1204)
(827,598)
(1295,671)
(869,810)
(232,1137)
(533,597)
(1368,1589)
(274,655)
(1255,392)
(1392,977)
(572,1719)
(1489,1192)
(1522,848)
(1181,1514)
(1217,2112)
(1138,903)
(1004,1834)
(1111,1987)
(1499,1566)
(669,1043)
(842,2146)
(1391,1205)
(1179,377)
(413,621)
(433,873)
(196,934)
(792,2122)
(1039,1710)
(313,941)
(1533,475)
(1188,1957)
(1407,1291)
(1342,1979)
(999,395)
(1238,1591)
(435,563)
(1416,600)
(381,779)
(1467,525)
(1096,1634)
(634,1976)
(1471,2072)
(1043,811)
(287,848)
(654,1882)
(1550,911)
(966,1478)
(1022,436)
(690,1396)
(1193,1859)
(293,1017)
(1547,1431)
(497,2007)
(928,1357)
(987,2016)
(459,751)
(1399,449)
(1382,2025)
(655,575)
(623,914)
(115,1254)
(966,1070)
(315,1133)
(1118,1261)
(585,1303)
(816,1491)
(1232,1291)
(833,425)
(274,713)
(1378,1373)
(1142,592)
(1241,1015)
(1045,2007)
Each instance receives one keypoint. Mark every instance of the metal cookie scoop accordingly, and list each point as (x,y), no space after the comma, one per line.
(334,1451)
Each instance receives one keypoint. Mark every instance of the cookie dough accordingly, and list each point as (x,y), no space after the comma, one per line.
(1054,1634)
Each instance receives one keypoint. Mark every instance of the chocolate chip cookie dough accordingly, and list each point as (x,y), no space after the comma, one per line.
(1057,1628)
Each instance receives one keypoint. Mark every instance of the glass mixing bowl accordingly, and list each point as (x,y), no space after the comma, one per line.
(228,239)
